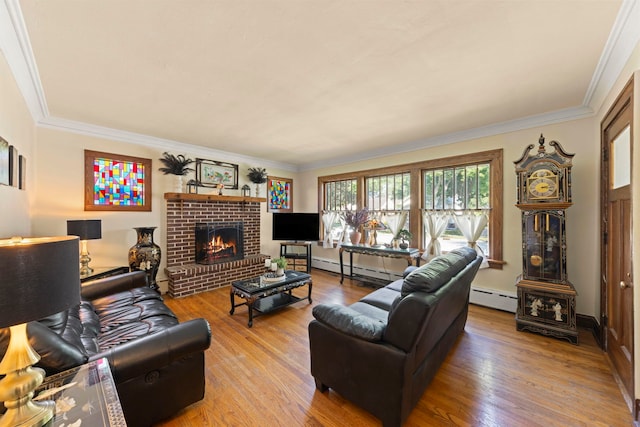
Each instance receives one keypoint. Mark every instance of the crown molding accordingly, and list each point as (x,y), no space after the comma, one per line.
(623,38)
(539,120)
(16,47)
(95,131)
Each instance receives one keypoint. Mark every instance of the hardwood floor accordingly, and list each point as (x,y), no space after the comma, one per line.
(495,376)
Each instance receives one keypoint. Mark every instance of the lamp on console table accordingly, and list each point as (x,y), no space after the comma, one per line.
(40,277)
(85,229)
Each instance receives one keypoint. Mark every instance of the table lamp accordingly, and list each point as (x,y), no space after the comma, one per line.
(85,229)
(40,277)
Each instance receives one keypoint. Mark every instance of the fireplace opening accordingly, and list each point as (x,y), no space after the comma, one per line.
(219,242)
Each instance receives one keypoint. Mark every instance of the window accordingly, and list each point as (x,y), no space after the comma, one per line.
(470,183)
(387,197)
(339,196)
(451,192)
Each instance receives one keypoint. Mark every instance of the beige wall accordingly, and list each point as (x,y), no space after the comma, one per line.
(60,196)
(582,218)
(17,127)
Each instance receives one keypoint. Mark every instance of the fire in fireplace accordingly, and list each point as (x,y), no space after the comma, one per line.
(219,242)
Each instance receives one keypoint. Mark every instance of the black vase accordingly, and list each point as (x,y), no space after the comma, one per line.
(145,255)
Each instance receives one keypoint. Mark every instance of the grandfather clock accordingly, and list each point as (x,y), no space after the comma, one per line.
(546,298)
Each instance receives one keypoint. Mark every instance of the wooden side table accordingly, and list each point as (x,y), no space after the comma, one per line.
(85,395)
(299,261)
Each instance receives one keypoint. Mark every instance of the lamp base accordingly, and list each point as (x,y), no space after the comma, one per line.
(85,270)
(33,414)
(20,382)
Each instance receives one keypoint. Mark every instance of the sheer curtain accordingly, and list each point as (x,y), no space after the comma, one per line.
(344,236)
(328,218)
(394,222)
(471,223)
(435,222)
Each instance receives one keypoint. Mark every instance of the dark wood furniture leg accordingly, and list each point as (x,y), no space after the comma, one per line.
(341,266)
(233,302)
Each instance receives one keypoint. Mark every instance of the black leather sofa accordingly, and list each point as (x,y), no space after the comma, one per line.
(157,362)
(382,352)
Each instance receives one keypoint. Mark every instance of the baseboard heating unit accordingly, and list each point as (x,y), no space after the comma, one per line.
(501,300)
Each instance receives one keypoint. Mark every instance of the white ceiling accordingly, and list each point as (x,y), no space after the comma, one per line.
(311,83)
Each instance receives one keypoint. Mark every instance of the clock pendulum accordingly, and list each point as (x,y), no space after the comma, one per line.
(546,298)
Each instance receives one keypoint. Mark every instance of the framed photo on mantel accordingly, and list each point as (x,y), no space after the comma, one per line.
(210,173)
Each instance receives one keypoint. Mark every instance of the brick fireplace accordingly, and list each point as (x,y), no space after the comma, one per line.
(184,212)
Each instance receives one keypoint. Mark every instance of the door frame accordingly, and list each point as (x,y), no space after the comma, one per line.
(623,100)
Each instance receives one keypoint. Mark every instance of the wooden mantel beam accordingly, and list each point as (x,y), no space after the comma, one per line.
(211,197)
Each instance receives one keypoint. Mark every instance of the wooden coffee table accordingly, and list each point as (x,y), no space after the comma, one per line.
(264,297)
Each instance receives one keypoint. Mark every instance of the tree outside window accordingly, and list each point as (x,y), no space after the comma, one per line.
(467,186)
(455,190)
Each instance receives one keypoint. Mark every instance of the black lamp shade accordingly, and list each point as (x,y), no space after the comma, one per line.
(38,277)
(86,229)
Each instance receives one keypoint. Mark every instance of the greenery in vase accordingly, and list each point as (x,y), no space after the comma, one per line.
(356,219)
(404,235)
(281,262)
(257,175)
(175,165)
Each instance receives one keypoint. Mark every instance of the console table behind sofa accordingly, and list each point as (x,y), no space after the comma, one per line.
(382,251)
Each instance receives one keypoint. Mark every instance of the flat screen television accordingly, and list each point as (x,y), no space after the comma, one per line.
(300,227)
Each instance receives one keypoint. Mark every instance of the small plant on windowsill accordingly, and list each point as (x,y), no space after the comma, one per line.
(404,235)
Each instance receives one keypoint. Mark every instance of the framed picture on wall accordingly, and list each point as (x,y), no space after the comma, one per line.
(279,194)
(4,162)
(13,166)
(210,173)
(22,172)
(114,182)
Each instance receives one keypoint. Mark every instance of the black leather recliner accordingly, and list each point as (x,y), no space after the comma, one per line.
(157,363)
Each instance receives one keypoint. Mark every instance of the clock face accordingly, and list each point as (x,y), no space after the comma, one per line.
(542,184)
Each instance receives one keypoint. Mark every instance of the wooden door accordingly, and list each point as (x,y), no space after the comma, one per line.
(617,281)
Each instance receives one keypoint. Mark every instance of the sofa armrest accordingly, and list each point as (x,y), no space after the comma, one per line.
(349,321)
(152,352)
(99,288)
(409,270)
